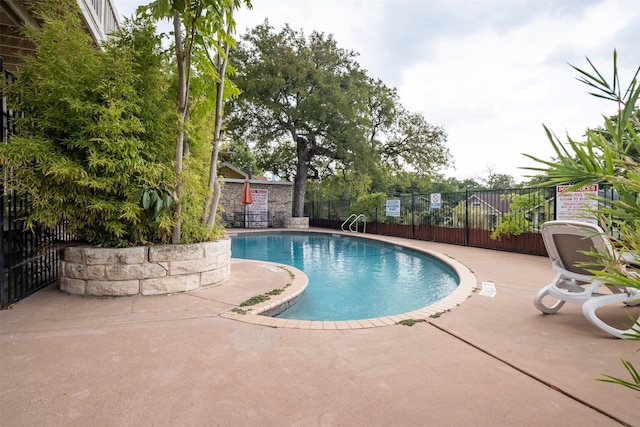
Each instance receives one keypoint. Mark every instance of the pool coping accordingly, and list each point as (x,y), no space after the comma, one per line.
(293,290)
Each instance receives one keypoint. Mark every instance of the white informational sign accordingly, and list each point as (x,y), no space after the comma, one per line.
(258,211)
(436,201)
(574,205)
(393,207)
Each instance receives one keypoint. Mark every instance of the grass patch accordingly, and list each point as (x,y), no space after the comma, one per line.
(291,275)
(410,322)
(438,314)
(254,300)
(264,297)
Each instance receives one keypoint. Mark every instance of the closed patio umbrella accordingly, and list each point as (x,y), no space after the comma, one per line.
(247,199)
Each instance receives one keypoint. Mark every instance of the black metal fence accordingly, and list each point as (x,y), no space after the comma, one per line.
(466,218)
(29,259)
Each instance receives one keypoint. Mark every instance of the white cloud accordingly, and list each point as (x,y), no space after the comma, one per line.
(492,90)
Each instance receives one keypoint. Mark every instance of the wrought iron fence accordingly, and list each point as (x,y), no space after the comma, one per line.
(464,218)
(29,259)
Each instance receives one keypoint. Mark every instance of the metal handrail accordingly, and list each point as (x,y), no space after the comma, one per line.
(355,221)
(347,220)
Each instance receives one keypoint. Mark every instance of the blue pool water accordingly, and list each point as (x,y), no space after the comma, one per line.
(351,278)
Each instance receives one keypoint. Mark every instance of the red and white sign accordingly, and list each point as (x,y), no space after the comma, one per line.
(575,204)
(258,211)
(436,201)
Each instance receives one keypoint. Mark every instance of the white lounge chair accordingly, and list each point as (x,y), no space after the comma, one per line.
(568,244)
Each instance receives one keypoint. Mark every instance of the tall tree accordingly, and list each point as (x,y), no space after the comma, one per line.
(310,111)
(204,24)
(300,103)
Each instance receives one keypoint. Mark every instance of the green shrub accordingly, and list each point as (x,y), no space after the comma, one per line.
(368,204)
(91,150)
(518,220)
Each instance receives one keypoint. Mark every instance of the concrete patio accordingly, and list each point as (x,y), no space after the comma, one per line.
(173,360)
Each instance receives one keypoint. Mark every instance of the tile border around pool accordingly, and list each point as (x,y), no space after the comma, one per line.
(468,283)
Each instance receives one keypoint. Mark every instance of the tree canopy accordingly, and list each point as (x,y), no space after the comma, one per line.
(309,111)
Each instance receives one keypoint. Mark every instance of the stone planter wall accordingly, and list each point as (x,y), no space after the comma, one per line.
(144,270)
(300,222)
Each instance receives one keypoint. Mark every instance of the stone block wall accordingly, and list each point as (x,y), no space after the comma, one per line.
(144,270)
(279,202)
(298,223)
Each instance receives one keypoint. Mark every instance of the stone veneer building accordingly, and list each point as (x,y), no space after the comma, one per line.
(278,194)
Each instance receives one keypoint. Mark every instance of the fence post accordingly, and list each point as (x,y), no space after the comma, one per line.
(4,132)
(413,215)
(555,203)
(376,220)
(466,217)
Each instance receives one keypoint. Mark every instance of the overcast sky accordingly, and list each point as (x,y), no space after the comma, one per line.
(490,72)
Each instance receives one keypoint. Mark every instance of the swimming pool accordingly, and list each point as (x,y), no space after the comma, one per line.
(349,277)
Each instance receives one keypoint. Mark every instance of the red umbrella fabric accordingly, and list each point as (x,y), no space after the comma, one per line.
(247,198)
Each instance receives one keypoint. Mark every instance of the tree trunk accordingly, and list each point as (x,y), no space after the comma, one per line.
(300,180)
(182,109)
(213,194)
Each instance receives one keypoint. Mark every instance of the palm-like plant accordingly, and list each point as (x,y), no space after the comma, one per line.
(608,156)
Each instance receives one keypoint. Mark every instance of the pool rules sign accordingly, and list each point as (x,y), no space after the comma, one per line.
(258,211)
(575,205)
(393,207)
